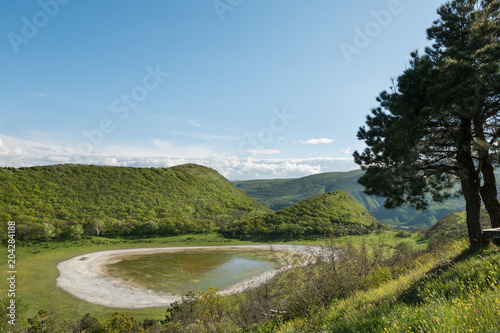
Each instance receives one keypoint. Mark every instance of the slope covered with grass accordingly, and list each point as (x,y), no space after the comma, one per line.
(68,201)
(326,214)
(280,193)
(451,291)
(451,227)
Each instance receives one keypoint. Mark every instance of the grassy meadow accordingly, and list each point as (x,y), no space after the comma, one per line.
(36,266)
(452,291)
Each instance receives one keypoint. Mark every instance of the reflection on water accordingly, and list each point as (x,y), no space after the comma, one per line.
(180,272)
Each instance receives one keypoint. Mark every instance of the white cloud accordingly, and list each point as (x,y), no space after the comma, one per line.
(250,168)
(171,149)
(194,123)
(256,152)
(205,137)
(59,159)
(3,149)
(14,150)
(112,161)
(17,153)
(42,148)
(317,141)
(346,151)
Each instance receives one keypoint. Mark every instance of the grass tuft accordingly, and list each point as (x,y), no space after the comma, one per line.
(454,291)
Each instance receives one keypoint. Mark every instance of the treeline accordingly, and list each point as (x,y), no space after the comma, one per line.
(71,201)
(333,213)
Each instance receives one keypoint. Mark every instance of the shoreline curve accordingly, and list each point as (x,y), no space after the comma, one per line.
(84,277)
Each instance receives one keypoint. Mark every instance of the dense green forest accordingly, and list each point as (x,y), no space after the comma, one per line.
(280,193)
(69,201)
(333,213)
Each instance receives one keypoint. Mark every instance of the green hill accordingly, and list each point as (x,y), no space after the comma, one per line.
(281,193)
(326,214)
(451,227)
(67,201)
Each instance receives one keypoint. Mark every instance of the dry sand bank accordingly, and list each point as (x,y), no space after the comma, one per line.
(84,277)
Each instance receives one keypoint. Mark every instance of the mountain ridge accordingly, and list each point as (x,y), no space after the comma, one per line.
(280,193)
(332,213)
(68,201)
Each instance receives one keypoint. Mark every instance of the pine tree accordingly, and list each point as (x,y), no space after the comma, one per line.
(439,123)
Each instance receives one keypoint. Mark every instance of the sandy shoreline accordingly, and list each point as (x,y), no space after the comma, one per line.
(84,277)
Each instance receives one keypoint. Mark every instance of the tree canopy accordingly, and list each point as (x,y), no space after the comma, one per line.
(438,125)
(332,213)
(70,201)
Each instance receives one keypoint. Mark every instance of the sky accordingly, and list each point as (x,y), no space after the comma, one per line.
(252,88)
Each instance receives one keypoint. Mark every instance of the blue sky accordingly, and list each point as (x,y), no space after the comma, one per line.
(254,89)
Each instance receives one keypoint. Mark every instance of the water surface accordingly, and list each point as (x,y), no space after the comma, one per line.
(182,271)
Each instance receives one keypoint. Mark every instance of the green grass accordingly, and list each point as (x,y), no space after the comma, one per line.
(36,267)
(452,226)
(391,238)
(455,291)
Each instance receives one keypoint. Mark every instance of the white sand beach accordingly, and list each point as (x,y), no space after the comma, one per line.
(85,278)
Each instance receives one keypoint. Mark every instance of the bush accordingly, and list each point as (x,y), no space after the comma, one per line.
(314,280)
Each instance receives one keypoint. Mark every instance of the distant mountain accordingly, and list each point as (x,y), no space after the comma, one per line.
(67,201)
(280,193)
(333,213)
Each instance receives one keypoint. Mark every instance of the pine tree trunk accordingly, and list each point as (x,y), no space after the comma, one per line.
(469,180)
(473,210)
(489,194)
(489,189)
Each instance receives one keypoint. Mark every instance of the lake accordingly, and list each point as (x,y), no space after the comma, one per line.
(182,271)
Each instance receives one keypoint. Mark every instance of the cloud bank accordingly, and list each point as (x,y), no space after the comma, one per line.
(21,153)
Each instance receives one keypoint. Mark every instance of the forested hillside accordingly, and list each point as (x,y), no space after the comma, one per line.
(279,193)
(333,213)
(451,227)
(68,201)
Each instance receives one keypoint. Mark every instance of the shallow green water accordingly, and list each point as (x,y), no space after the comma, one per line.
(180,272)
